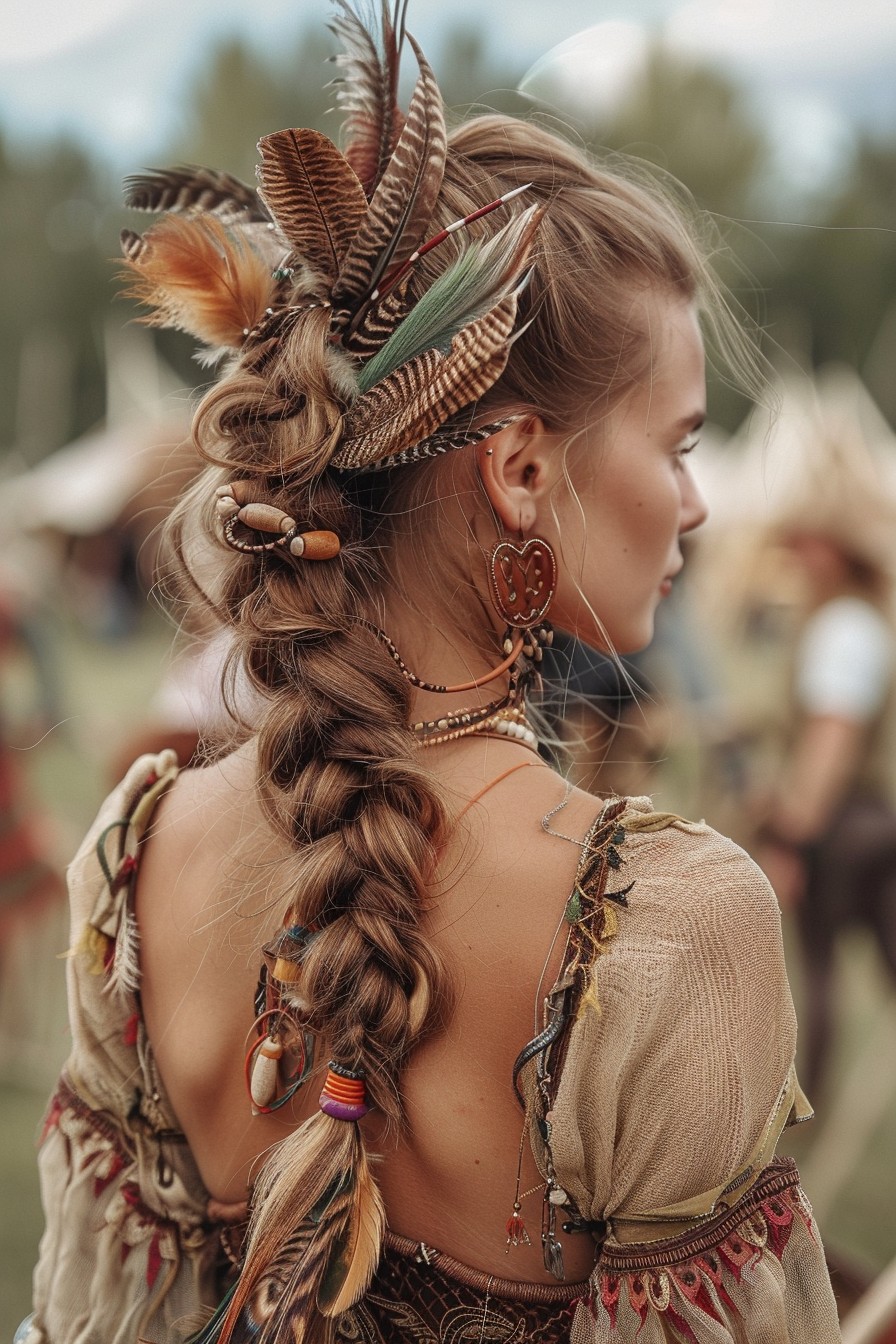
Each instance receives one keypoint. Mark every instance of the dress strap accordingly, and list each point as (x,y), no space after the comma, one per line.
(499,779)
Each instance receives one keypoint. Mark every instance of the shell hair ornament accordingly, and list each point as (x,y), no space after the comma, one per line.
(342,230)
(234,508)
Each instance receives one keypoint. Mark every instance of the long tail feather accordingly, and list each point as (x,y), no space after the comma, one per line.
(367,90)
(355,1256)
(189,190)
(314,196)
(305,1208)
(197,278)
(403,203)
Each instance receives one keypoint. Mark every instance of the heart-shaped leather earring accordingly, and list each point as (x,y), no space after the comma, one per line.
(522,581)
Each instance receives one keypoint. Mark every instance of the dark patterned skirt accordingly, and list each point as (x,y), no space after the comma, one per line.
(420,1296)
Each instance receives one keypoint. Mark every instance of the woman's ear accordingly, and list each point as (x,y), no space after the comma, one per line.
(518,468)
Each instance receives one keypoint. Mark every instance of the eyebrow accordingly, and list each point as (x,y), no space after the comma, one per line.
(691,422)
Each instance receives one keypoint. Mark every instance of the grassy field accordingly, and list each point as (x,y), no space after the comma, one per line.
(107,690)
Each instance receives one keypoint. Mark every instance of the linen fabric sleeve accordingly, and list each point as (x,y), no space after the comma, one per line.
(133,1248)
(677,1081)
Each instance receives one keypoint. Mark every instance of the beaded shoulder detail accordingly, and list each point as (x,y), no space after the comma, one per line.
(591,917)
(592,921)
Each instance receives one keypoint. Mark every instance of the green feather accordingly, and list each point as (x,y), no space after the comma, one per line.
(469,288)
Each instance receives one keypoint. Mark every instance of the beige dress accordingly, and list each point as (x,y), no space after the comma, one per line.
(655,1097)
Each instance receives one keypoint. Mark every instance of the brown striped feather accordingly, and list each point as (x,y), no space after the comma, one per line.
(295,1224)
(313,195)
(355,1255)
(367,91)
(411,403)
(189,190)
(402,206)
(378,322)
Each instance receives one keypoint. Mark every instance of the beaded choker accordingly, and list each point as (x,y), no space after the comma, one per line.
(507,721)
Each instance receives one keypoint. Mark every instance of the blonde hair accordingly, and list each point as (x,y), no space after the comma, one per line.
(339,775)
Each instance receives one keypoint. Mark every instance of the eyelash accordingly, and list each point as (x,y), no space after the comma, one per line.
(688,446)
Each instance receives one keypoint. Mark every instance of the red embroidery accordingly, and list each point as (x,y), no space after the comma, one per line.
(637,1296)
(131,1029)
(153,1261)
(100,1183)
(52,1118)
(701,1280)
(610,1286)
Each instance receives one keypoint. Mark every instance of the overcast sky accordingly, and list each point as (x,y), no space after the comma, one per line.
(113,71)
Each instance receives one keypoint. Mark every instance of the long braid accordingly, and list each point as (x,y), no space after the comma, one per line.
(339,779)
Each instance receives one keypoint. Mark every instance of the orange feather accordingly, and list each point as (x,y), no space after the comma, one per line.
(198,278)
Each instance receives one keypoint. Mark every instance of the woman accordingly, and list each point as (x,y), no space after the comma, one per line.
(529,1008)
(828,839)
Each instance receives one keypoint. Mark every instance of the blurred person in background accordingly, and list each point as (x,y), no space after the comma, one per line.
(828,841)
(827,838)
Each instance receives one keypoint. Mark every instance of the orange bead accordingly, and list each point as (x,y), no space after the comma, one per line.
(316,545)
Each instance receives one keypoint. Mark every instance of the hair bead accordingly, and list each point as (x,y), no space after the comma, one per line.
(344,1095)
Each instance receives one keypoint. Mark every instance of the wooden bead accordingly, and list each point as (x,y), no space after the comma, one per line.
(319,545)
(265,518)
(287,972)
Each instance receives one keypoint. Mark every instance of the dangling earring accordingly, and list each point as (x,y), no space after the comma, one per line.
(522,582)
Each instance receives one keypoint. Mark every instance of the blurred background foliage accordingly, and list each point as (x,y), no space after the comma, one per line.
(815,268)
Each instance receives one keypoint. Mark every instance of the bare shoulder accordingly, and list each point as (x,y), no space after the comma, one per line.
(207,863)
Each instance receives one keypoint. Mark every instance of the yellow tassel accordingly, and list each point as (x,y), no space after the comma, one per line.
(287,972)
(589,999)
(95,944)
(610,923)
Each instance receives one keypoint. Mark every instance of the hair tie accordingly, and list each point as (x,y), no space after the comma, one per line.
(234,508)
(344,1095)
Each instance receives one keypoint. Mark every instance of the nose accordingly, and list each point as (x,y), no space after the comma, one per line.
(694,510)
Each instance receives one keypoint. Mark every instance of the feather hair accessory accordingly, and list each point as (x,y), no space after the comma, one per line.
(367,89)
(316,1249)
(237,267)
(198,278)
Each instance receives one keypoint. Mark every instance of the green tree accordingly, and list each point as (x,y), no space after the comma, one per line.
(55,284)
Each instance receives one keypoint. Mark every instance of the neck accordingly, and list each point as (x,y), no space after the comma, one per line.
(446,656)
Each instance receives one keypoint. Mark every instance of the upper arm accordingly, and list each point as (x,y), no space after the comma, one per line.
(673,1082)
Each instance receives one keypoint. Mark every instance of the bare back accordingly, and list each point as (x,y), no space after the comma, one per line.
(209,896)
